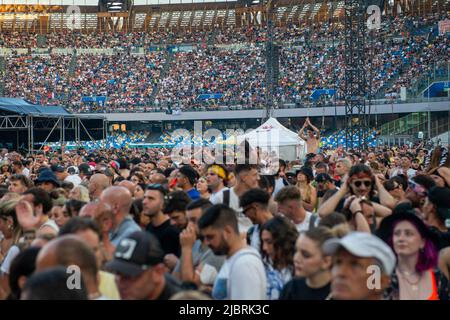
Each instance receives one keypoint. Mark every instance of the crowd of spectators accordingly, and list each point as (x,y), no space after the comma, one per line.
(142,225)
(232,66)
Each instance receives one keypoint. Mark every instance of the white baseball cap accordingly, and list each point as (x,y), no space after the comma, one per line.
(363,245)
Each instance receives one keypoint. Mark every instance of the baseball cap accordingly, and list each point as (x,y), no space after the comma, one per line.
(363,245)
(57,168)
(85,168)
(136,253)
(323,177)
(440,197)
(72,170)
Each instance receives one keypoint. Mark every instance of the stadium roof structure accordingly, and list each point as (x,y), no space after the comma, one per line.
(155,15)
(24,125)
(24,108)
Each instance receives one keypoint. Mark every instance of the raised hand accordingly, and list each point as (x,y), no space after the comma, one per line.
(188,236)
(27,220)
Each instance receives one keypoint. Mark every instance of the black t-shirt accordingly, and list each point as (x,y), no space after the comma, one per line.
(168,236)
(297,289)
(442,239)
(172,287)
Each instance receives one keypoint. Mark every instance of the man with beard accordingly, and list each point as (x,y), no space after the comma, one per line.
(160,226)
(216,178)
(324,183)
(242,276)
(198,263)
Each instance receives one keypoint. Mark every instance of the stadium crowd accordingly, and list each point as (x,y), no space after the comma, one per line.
(231,66)
(141,224)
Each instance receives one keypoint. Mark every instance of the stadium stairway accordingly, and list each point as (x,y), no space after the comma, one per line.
(212,37)
(165,70)
(72,68)
(2,73)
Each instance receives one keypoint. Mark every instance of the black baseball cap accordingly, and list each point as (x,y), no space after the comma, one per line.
(440,197)
(57,168)
(84,168)
(136,253)
(323,177)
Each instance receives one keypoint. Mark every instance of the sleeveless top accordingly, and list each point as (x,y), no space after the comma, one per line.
(440,286)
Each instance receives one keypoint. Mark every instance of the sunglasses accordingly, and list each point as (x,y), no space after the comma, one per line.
(358,183)
(417,188)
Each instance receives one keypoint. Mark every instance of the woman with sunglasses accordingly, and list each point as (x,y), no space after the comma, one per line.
(363,184)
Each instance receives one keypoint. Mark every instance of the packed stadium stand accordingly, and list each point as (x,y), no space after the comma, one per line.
(172,59)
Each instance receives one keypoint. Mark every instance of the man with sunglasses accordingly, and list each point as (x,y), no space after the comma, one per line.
(395,188)
(138,264)
(417,190)
(160,226)
(255,205)
(362,184)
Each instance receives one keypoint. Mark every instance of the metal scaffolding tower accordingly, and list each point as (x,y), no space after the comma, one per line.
(355,85)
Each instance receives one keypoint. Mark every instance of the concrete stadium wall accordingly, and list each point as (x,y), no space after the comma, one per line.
(278,113)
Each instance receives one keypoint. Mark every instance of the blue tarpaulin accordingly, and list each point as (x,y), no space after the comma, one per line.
(319,92)
(23,107)
(207,96)
(100,100)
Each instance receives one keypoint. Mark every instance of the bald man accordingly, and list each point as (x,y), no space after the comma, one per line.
(97,183)
(120,200)
(129,185)
(67,251)
(102,214)
(158,178)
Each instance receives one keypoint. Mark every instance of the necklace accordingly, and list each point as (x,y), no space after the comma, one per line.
(413,284)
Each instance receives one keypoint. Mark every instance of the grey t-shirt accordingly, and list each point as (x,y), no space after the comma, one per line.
(203,255)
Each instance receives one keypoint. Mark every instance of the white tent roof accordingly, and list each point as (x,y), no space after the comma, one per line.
(271,133)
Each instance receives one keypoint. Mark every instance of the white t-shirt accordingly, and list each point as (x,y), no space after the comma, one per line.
(50,223)
(278,186)
(10,256)
(411,173)
(304,226)
(255,238)
(244,222)
(242,277)
(26,172)
(74,178)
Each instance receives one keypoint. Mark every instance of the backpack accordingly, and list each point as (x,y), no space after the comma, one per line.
(226,197)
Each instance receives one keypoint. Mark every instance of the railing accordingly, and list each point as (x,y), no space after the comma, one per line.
(407,125)
(439,72)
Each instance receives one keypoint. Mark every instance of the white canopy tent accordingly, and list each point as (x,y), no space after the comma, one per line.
(272,135)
